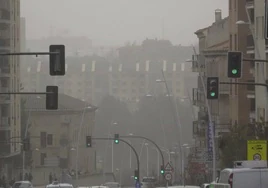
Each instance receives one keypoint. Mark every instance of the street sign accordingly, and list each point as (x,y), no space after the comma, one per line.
(256,150)
(168,176)
(168,167)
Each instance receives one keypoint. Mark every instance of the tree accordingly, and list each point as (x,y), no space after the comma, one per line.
(233,145)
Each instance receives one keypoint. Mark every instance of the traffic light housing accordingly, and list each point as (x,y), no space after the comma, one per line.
(57,61)
(136,175)
(88,141)
(212,88)
(52,97)
(162,170)
(116,138)
(26,144)
(235,64)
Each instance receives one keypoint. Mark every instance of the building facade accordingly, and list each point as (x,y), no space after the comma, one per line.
(9,81)
(211,62)
(55,137)
(128,77)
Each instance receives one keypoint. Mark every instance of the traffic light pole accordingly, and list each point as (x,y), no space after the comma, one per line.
(246,83)
(29,53)
(158,148)
(25,93)
(256,60)
(133,149)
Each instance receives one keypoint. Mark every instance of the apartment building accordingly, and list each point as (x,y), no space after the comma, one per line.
(257,48)
(54,137)
(128,77)
(10,128)
(211,62)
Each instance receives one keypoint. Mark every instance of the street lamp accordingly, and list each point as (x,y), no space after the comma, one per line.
(130,153)
(147,165)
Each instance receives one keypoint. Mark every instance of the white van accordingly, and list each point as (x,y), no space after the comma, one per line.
(244,177)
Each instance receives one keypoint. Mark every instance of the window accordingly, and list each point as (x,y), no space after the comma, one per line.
(252,105)
(43,139)
(50,139)
(42,158)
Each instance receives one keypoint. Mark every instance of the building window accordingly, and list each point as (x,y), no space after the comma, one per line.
(42,158)
(252,105)
(43,139)
(50,139)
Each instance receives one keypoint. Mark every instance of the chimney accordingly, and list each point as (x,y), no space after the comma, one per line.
(218,15)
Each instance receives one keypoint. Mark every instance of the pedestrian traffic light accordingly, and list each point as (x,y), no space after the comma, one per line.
(26,144)
(52,97)
(212,88)
(136,175)
(116,138)
(88,141)
(235,64)
(57,60)
(162,170)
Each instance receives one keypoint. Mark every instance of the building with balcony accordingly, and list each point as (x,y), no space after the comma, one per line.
(10,126)
(257,48)
(54,137)
(211,62)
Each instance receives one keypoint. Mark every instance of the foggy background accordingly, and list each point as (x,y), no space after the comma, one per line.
(115,33)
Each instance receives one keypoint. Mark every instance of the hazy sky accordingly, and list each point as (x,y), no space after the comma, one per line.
(113,22)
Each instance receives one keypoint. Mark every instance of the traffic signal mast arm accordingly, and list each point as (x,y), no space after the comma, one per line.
(142,137)
(133,149)
(246,83)
(28,53)
(256,60)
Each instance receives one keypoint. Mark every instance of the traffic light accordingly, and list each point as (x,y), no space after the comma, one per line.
(52,98)
(235,64)
(26,144)
(88,141)
(136,175)
(162,171)
(57,61)
(116,138)
(212,88)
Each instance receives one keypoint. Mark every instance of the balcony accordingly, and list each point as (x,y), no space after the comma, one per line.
(198,97)
(198,131)
(222,123)
(250,4)
(5,124)
(224,89)
(198,64)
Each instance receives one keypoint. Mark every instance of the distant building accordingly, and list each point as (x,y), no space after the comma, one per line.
(128,77)
(10,125)
(54,136)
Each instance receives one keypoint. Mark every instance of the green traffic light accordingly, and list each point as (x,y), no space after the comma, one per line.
(234,71)
(116,141)
(135,178)
(212,94)
(162,171)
